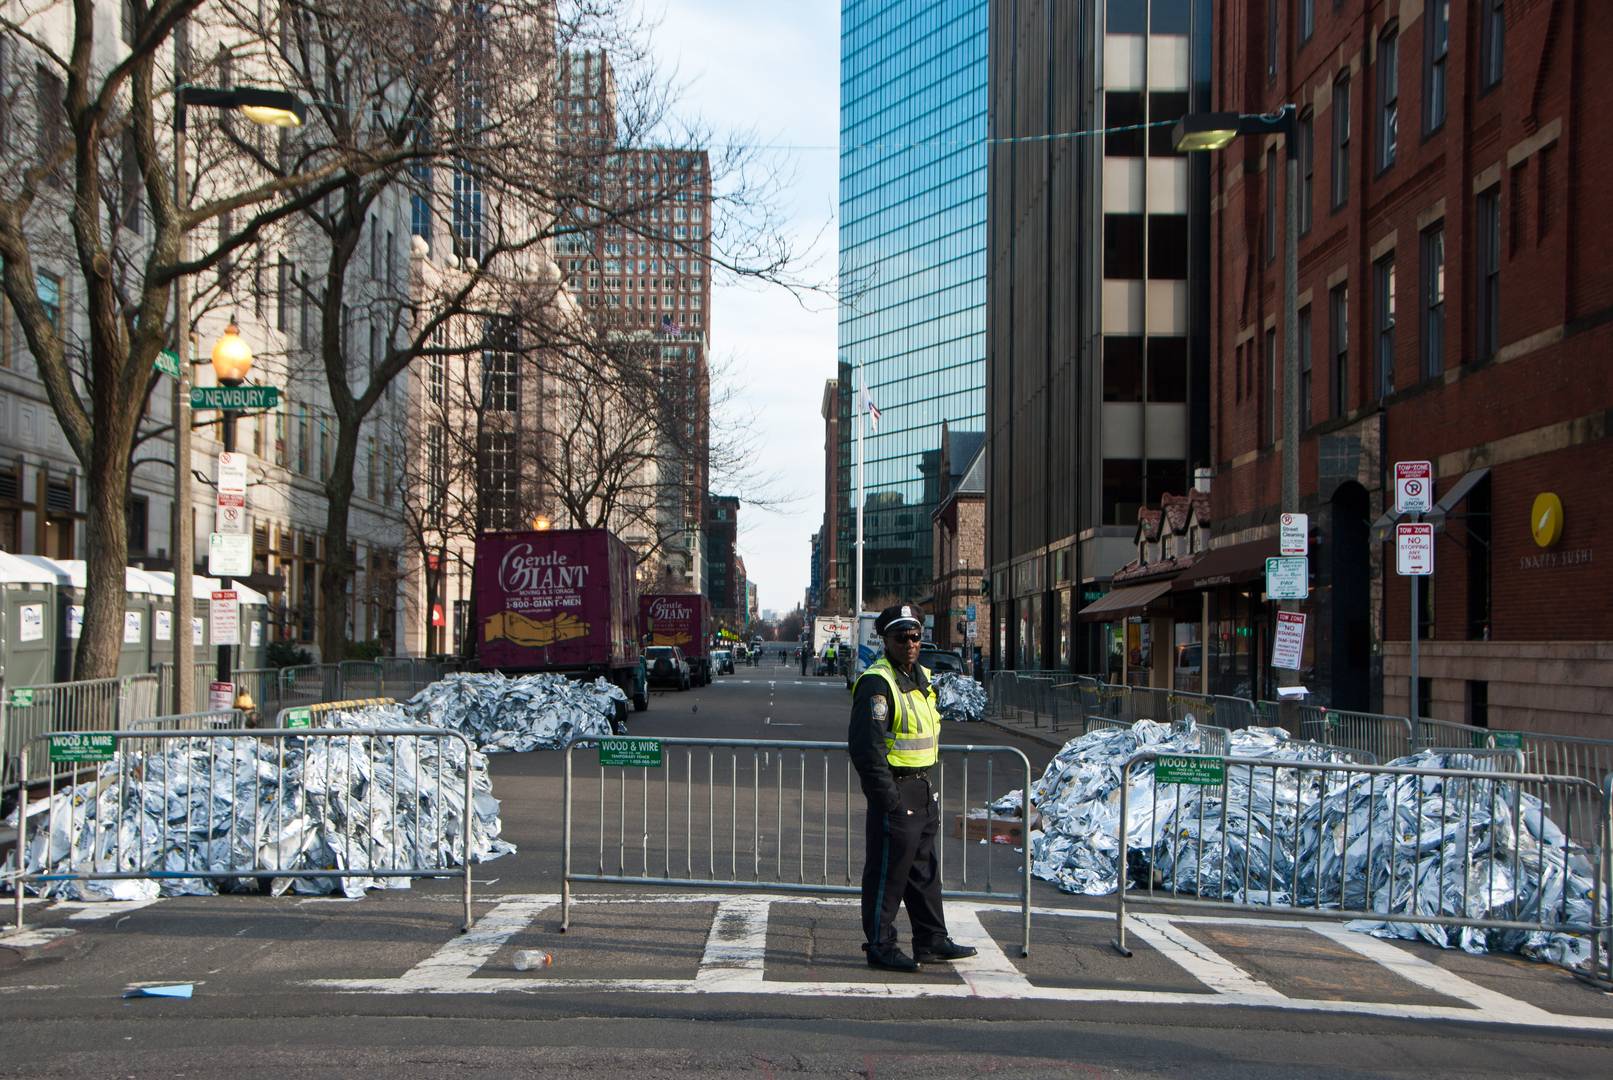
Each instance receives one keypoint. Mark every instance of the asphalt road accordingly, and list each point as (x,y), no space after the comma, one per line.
(673,981)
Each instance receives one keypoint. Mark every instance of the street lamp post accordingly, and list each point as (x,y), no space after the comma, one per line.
(273,108)
(232,359)
(1212,131)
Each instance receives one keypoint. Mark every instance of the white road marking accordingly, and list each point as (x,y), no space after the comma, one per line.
(734,962)
(1197,959)
(1414,969)
(94,910)
(33,939)
(737,946)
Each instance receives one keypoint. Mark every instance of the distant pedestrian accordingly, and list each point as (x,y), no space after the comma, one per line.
(894,741)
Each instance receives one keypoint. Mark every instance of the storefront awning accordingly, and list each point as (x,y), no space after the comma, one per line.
(1124,601)
(1228,566)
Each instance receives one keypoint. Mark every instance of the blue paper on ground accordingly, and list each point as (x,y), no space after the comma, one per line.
(179,990)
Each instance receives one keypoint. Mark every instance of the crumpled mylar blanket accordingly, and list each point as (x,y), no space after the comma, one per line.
(244,803)
(504,714)
(1314,838)
(958,696)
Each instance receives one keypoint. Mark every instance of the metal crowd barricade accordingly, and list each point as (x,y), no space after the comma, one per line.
(360,678)
(1360,866)
(780,817)
(309,684)
(201,675)
(120,854)
(320,708)
(1431,732)
(83,705)
(1386,737)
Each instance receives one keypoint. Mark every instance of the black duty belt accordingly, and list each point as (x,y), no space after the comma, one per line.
(903,772)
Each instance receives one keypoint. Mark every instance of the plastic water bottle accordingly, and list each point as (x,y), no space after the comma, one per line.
(528,959)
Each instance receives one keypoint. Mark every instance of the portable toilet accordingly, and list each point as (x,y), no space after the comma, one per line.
(28,631)
(69,614)
(138,603)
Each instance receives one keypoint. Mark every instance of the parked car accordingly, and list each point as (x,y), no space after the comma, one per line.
(667,666)
(722,661)
(937,660)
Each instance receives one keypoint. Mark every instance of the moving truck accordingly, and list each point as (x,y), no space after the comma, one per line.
(562,600)
(683,620)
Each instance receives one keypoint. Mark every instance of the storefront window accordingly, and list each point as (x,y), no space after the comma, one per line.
(1064,630)
(1022,652)
(1036,632)
(1187,673)
(1139,651)
(1231,637)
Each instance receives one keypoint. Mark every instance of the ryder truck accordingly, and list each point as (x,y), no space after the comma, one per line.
(561,600)
(683,620)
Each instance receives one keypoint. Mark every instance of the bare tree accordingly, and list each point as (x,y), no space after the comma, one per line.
(92,202)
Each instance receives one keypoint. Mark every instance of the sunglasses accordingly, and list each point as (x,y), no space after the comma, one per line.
(911,639)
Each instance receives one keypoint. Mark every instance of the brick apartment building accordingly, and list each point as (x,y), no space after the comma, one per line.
(1455,305)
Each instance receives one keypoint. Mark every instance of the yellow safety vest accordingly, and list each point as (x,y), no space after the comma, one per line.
(914,739)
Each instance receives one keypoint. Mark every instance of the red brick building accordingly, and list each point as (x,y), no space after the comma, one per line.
(1455,305)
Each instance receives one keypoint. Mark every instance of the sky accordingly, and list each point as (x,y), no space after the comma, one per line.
(771,69)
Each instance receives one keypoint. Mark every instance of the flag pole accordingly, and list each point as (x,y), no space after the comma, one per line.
(862,408)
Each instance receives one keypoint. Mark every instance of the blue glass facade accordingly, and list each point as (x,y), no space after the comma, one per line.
(912,266)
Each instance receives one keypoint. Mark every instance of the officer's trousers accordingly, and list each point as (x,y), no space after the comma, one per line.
(903,866)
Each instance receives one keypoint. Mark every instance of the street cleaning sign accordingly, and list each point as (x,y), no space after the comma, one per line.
(1203,772)
(73,747)
(632,753)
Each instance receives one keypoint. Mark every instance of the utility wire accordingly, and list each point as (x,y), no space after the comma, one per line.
(1009,140)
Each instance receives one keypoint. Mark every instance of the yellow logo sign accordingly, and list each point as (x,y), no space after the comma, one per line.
(1546,519)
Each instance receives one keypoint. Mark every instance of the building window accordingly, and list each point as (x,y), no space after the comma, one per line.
(1122,368)
(1268,239)
(1268,397)
(500,469)
(1167,248)
(1271,39)
(1338,302)
(1167,369)
(1307,170)
(1383,288)
(1492,51)
(1433,288)
(1341,140)
(1307,20)
(1425,697)
(1478,703)
(139,517)
(1388,97)
(1122,490)
(1487,242)
(1304,325)
(1479,551)
(302,440)
(48,287)
(1436,51)
(370,470)
(1123,246)
(500,367)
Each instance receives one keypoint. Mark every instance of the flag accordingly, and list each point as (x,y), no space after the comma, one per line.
(872,409)
(670,328)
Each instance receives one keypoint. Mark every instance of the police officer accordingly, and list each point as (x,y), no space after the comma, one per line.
(829,657)
(894,743)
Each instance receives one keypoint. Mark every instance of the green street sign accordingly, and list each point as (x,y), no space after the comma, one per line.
(73,747)
(300,718)
(22,698)
(1190,770)
(632,753)
(1507,740)
(234,397)
(167,362)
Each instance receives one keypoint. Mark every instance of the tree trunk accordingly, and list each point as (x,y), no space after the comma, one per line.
(106,552)
(337,570)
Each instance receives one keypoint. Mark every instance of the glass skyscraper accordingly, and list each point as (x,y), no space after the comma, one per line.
(912,268)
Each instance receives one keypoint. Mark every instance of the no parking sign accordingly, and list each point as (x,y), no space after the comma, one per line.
(1414,487)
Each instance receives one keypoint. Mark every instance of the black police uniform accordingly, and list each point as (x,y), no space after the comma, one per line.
(904,818)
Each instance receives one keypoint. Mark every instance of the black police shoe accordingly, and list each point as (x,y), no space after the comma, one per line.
(890,958)
(943,951)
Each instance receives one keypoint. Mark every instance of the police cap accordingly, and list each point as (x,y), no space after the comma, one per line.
(898,616)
